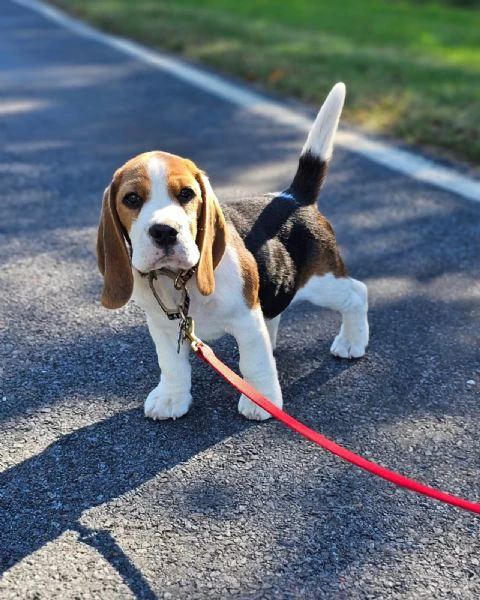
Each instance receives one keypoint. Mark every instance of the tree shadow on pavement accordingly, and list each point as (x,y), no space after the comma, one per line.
(104,543)
(47,494)
(414,366)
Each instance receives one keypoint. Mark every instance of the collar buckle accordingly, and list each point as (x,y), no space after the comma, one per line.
(180,281)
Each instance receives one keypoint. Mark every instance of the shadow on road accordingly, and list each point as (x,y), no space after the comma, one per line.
(75,122)
(47,494)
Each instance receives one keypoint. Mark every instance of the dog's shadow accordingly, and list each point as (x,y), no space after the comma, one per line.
(47,493)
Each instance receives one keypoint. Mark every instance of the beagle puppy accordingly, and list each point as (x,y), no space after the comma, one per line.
(252,259)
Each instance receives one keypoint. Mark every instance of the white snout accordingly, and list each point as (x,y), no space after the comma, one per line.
(149,254)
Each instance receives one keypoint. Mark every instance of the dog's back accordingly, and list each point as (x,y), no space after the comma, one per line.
(287,235)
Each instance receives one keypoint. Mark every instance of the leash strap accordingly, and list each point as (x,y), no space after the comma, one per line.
(207,355)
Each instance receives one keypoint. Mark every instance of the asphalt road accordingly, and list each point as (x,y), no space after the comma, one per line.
(97,501)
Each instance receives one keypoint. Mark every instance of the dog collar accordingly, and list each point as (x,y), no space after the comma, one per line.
(180,281)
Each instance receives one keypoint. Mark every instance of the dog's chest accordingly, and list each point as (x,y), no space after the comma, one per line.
(212,314)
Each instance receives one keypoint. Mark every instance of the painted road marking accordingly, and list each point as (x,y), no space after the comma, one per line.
(396,159)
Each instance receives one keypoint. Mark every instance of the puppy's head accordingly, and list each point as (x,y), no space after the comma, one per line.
(159,211)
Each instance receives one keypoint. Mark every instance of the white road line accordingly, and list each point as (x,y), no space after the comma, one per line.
(402,161)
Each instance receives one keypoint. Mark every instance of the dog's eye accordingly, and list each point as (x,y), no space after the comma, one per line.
(186,194)
(133,200)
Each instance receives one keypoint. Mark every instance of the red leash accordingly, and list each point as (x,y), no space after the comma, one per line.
(207,354)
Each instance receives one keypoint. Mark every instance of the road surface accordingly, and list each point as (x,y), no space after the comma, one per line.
(97,501)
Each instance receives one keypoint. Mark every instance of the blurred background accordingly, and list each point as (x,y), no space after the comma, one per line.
(412,68)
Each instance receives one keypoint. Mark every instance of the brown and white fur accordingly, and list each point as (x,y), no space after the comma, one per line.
(252,257)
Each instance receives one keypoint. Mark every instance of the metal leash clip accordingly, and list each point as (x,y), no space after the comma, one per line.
(187,332)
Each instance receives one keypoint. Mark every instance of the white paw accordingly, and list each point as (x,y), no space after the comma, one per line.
(345,348)
(166,405)
(251,411)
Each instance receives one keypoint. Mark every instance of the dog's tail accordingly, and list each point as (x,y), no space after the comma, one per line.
(317,151)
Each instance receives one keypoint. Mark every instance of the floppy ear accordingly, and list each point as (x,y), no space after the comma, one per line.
(211,236)
(112,255)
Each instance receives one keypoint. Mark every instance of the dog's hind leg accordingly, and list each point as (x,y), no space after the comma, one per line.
(272,328)
(349,297)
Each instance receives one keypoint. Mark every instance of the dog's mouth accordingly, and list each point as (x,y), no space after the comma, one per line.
(170,261)
(177,257)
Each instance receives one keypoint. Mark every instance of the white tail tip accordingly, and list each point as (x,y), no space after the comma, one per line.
(320,139)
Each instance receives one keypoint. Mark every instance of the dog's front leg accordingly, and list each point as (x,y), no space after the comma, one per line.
(171,398)
(257,363)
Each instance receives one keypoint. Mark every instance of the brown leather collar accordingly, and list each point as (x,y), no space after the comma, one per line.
(180,280)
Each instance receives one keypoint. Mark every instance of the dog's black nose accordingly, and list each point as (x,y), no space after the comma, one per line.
(163,235)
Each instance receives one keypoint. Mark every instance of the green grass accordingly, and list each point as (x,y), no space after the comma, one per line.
(412,69)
